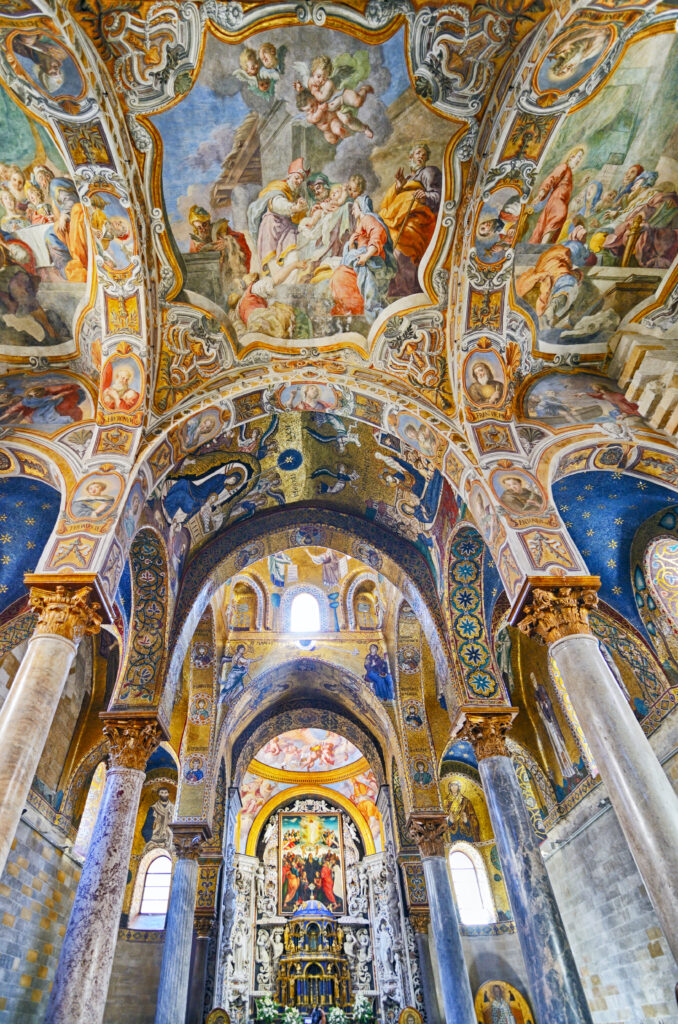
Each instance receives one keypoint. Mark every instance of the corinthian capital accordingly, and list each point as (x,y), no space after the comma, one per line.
(428,832)
(187,839)
(485,729)
(65,611)
(131,740)
(558,611)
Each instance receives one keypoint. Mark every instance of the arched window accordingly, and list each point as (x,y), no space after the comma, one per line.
(89,815)
(157,884)
(474,900)
(304,614)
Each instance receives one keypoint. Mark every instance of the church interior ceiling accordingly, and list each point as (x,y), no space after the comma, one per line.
(340,290)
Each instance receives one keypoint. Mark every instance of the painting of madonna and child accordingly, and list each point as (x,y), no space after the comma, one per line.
(602,221)
(302,180)
(311,861)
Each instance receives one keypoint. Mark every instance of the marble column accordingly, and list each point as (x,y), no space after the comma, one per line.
(196,987)
(80,987)
(419,919)
(64,616)
(428,831)
(640,792)
(176,956)
(556,989)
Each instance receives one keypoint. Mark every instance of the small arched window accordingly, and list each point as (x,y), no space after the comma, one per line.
(474,904)
(157,884)
(305,614)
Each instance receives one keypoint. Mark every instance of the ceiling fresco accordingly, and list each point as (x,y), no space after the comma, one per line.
(45,255)
(299,288)
(295,188)
(308,750)
(602,218)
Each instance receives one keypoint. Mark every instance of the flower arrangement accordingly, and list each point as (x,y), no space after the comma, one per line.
(267,1011)
(292,1015)
(362,1009)
(336,1016)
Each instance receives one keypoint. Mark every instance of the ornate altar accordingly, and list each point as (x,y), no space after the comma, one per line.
(313,969)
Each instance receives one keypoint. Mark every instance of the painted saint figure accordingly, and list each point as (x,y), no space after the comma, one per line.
(553,728)
(234,676)
(359,286)
(554,194)
(462,816)
(378,674)
(409,210)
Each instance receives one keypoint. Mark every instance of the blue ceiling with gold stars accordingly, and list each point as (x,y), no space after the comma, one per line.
(28,511)
(602,512)
(492,588)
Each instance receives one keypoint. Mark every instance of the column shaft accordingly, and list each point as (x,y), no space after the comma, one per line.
(557,993)
(428,986)
(25,721)
(457,995)
(80,987)
(641,794)
(176,956)
(196,988)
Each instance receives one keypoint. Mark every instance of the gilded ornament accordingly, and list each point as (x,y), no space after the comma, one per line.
(187,841)
(419,919)
(486,730)
(428,832)
(131,740)
(64,612)
(558,612)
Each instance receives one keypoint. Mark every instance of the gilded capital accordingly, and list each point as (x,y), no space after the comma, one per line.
(187,840)
(428,831)
(64,611)
(203,924)
(131,740)
(485,729)
(419,920)
(558,612)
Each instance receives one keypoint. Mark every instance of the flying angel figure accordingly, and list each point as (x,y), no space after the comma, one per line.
(331,92)
(261,71)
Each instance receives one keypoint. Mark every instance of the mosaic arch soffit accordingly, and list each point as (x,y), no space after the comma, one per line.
(257,733)
(299,690)
(508,123)
(232,551)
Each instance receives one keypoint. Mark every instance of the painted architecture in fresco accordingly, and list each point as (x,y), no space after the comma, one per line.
(338,389)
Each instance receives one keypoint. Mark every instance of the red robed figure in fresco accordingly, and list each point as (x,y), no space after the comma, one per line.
(327,882)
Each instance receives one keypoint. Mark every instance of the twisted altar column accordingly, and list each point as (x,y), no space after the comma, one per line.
(64,616)
(640,792)
(80,987)
(428,831)
(176,955)
(556,989)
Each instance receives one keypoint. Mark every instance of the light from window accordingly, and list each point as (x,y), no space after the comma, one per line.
(155,896)
(305,614)
(470,903)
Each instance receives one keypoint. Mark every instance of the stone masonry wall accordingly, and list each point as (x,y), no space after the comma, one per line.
(133,991)
(626,966)
(36,894)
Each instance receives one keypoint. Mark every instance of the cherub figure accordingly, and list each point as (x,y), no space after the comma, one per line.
(272,65)
(338,85)
(260,71)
